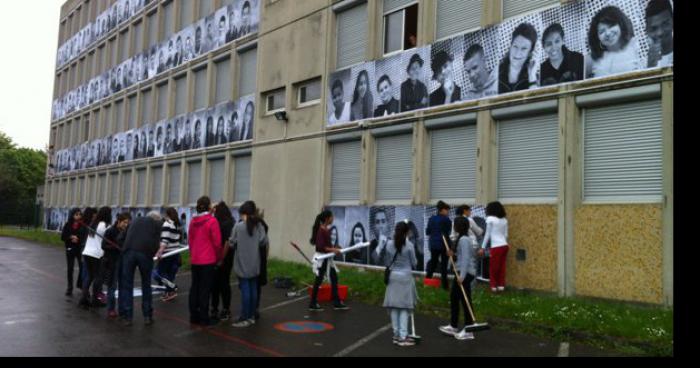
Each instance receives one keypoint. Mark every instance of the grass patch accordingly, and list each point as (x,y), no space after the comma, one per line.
(623,327)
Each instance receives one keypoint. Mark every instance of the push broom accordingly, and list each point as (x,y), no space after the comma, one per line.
(475,326)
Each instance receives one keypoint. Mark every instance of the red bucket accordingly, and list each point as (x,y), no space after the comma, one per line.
(324,292)
(432,282)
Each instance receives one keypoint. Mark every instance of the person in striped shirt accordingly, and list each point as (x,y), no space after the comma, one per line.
(168,267)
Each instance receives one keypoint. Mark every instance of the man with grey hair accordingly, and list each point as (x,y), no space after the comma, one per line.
(140,246)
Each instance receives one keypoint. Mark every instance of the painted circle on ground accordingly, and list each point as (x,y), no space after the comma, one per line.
(304,327)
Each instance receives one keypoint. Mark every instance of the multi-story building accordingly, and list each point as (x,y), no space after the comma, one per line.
(581,155)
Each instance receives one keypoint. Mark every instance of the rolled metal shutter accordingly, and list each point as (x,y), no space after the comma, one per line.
(216,179)
(101,187)
(119,121)
(623,151)
(152,21)
(168,20)
(80,192)
(352,36)
(114,189)
(126,188)
(457,16)
(146,107)
(206,7)
(394,167)
(194,181)
(180,95)
(162,101)
(528,157)
(241,184)
(345,176)
(453,163)
(141,187)
(390,5)
(223,80)
(201,92)
(512,8)
(174,184)
(186,13)
(138,38)
(133,112)
(246,81)
(157,185)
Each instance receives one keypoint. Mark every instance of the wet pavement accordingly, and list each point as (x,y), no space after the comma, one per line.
(36,319)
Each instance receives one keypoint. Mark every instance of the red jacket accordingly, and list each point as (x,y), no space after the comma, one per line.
(204,238)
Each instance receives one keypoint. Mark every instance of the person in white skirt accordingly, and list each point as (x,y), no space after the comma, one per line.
(401,295)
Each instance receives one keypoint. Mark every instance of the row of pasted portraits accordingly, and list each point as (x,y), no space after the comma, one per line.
(209,33)
(567,43)
(225,123)
(359,224)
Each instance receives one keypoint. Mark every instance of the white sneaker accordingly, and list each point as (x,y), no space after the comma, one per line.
(448,330)
(494,290)
(241,324)
(464,335)
(501,288)
(251,321)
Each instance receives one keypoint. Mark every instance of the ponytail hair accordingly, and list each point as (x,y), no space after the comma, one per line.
(251,211)
(400,233)
(320,218)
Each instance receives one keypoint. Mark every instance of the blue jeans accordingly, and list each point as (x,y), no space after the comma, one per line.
(167,268)
(249,297)
(111,268)
(130,260)
(399,322)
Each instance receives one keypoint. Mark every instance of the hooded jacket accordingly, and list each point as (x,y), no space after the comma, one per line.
(204,238)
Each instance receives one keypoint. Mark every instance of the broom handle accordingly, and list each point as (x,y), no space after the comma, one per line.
(300,252)
(100,236)
(454,267)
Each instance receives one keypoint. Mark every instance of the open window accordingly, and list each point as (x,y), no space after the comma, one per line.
(400,28)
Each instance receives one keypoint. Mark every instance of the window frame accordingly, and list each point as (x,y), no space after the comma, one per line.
(403,29)
(271,93)
(304,85)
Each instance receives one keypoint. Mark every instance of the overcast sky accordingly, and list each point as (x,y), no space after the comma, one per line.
(28,37)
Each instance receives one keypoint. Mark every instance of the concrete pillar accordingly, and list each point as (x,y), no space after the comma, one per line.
(569,193)
(427,12)
(492,12)
(369,165)
(667,210)
(374,30)
(421,172)
(486,158)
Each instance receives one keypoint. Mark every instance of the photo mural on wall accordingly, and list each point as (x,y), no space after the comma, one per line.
(205,35)
(572,42)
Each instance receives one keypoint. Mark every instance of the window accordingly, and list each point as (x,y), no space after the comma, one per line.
(157,185)
(223,80)
(124,43)
(201,92)
(114,189)
(194,181)
(81,192)
(528,157)
(351,36)
(114,51)
(71,193)
(126,187)
(152,23)
(138,39)
(107,119)
(455,17)
(86,130)
(101,65)
(181,95)
(623,152)
(345,172)
(309,93)
(91,189)
(512,8)
(206,7)
(133,112)
(216,179)
(168,20)
(101,188)
(146,106)
(246,82)
(119,120)
(400,25)
(174,184)
(186,13)
(141,187)
(275,100)
(241,184)
(394,167)
(162,101)
(453,163)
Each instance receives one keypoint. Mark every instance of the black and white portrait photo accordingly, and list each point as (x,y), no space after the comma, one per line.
(160,138)
(178,126)
(188,52)
(563,41)
(129,152)
(150,140)
(444,88)
(480,64)
(233,121)
(209,39)
(199,37)
(186,132)
(414,82)
(658,16)
(169,138)
(246,104)
(220,117)
(520,52)
(340,96)
(153,61)
(221,27)
(233,22)
(198,122)
(387,74)
(362,80)
(209,132)
(249,16)
(381,224)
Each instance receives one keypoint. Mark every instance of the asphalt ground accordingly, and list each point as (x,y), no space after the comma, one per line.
(37,319)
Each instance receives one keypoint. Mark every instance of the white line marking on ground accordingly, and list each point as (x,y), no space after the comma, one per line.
(563,350)
(363,341)
(284,303)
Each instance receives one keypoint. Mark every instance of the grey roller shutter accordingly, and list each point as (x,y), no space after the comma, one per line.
(246,82)
(457,16)
(174,184)
(223,80)
(345,176)
(114,50)
(168,20)
(390,5)
(71,193)
(352,36)
(114,189)
(157,185)
(512,8)
(107,120)
(394,167)
(186,13)
(138,38)
(623,151)
(241,183)
(124,46)
(194,181)
(201,92)
(216,179)
(90,189)
(80,192)
(146,107)
(180,95)
(528,157)
(119,121)
(152,29)
(206,7)
(453,163)
(133,112)
(126,187)
(162,101)
(141,187)
(101,188)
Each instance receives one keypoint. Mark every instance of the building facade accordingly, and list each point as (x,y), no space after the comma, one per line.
(584,166)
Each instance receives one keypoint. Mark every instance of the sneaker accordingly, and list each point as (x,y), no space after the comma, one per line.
(448,330)
(148,321)
(225,315)
(493,290)
(406,342)
(251,321)
(464,335)
(501,288)
(242,323)
(340,306)
(395,340)
(315,308)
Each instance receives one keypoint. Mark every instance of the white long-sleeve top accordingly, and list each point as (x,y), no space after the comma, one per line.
(93,245)
(496,232)
(474,231)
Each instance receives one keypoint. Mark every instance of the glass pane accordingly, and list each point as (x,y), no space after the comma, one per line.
(393,29)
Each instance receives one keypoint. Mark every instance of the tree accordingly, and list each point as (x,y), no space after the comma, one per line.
(21,171)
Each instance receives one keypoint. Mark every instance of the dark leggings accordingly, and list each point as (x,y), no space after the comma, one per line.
(93,273)
(222,284)
(71,255)
(457,299)
(319,280)
(432,263)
